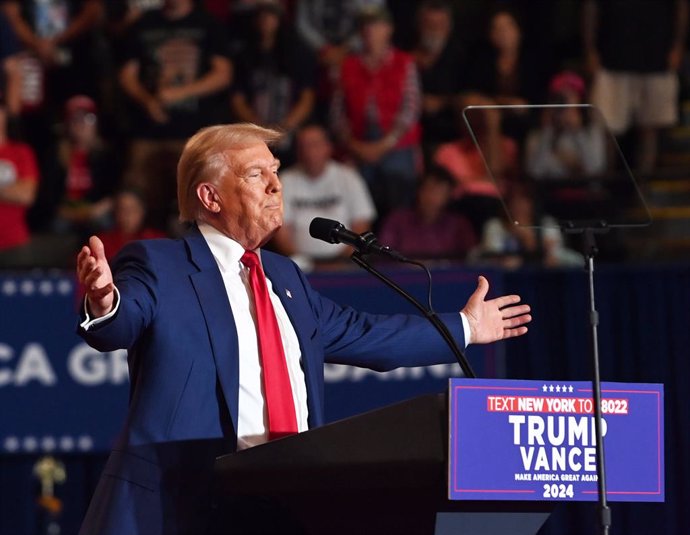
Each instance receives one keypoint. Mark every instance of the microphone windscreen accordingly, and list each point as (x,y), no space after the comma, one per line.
(322,229)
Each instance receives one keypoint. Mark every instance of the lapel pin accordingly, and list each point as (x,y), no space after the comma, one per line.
(287,292)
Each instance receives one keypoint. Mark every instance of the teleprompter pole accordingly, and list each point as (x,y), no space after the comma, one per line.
(603,510)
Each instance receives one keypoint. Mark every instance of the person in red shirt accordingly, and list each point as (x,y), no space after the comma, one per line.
(130,223)
(375,113)
(18,184)
(87,171)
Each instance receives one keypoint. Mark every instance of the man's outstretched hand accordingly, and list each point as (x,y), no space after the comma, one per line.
(94,274)
(495,319)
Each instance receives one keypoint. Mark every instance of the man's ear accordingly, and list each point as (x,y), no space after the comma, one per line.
(208,197)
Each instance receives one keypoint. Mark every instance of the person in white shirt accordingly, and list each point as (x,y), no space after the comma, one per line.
(319,186)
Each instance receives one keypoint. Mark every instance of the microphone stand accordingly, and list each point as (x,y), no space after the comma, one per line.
(590,250)
(467,370)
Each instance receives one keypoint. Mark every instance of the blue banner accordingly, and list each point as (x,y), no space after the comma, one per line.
(58,395)
(530,440)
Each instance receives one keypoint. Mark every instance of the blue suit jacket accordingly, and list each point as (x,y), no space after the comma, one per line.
(175,320)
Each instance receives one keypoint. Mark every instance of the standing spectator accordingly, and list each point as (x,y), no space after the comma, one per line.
(87,172)
(122,14)
(508,72)
(129,216)
(429,230)
(18,185)
(60,33)
(330,29)
(440,60)
(274,81)
(10,73)
(376,113)
(634,49)
(175,72)
(58,61)
(318,186)
(239,15)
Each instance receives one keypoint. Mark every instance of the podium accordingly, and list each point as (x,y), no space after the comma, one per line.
(382,472)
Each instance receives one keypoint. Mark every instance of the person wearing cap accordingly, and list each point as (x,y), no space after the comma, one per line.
(86,172)
(571,141)
(375,112)
(227,341)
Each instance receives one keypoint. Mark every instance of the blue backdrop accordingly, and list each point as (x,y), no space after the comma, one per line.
(57,395)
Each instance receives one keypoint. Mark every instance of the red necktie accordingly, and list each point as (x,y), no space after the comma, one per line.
(280,404)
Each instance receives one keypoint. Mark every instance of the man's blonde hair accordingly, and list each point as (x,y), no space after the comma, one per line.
(205,159)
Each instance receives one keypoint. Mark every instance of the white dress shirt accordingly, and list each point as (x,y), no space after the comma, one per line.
(252,428)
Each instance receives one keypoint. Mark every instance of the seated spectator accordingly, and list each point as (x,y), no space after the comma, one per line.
(87,172)
(480,172)
(429,230)
(274,77)
(175,72)
(318,186)
(18,184)
(129,215)
(569,143)
(440,60)
(375,112)
(516,241)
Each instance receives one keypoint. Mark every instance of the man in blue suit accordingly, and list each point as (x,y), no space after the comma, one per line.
(186,313)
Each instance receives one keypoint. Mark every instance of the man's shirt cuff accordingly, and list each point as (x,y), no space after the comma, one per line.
(88,322)
(466,329)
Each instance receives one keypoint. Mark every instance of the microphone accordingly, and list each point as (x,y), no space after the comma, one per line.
(332,231)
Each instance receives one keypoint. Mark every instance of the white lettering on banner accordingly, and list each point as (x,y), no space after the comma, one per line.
(85,365)
(32,365)
(91,368)
(337,373)
(580,432)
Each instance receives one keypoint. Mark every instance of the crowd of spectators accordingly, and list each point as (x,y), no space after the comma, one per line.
(97,98)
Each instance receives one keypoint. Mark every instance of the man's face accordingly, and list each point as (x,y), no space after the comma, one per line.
(250,196)
(314,149)
(434,23)
(376,35)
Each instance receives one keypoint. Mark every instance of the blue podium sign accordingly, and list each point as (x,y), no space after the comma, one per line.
(535,440)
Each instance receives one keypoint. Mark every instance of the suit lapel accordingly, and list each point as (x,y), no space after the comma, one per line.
(220,323)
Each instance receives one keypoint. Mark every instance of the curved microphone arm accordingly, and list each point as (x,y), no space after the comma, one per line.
(441,327)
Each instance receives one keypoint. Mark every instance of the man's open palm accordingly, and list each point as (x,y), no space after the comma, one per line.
(495,319)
